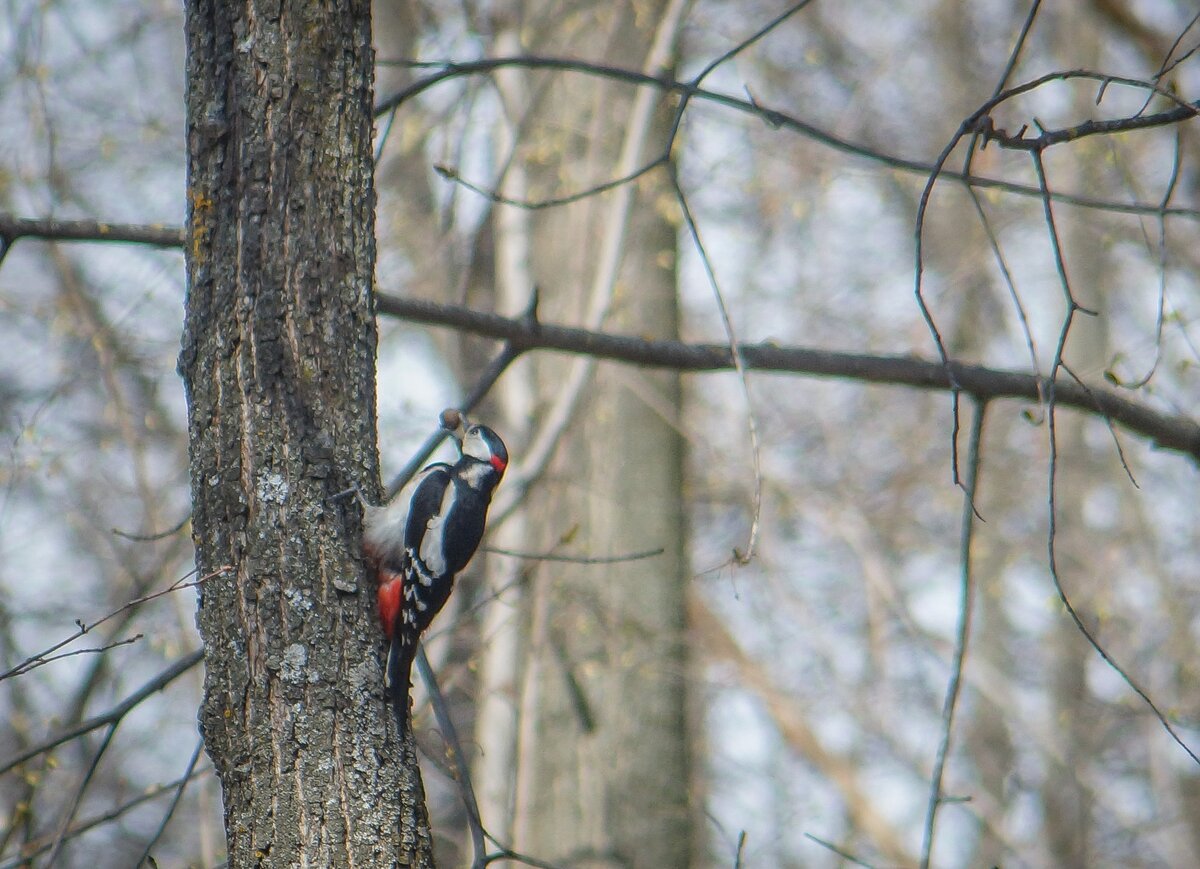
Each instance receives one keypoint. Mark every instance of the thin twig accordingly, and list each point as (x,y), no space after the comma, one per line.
(1009,282)
(493,194)
(1052,537)
(1112,429)
(576,559)
(981,213)
(919,287)
(462,778)
(73,807)
(661,159)
(1176,166)
(385,135)
(46,655)
(462,775)
(48,659)
(739,365)
(517,857)
(158,535)
(448,70)
(112,716)
(32,849)
(1014,55)
(1168,64)
(170,812)
(841,852)
(962,635)
(1018,46)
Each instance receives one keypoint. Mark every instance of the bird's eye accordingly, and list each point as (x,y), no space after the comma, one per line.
(473,430)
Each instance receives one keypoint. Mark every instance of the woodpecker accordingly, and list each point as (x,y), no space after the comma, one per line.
(424,537)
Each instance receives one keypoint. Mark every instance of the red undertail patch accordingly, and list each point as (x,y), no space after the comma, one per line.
(391,596)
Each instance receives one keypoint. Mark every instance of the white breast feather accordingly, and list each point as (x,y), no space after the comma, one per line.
(385,525)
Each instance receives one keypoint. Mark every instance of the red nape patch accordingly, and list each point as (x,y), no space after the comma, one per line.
(391,593)
(499,464)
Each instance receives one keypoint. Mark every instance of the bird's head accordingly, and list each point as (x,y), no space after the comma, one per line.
(480,442)
(477,441)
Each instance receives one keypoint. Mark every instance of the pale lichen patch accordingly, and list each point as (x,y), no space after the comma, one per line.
(295,659)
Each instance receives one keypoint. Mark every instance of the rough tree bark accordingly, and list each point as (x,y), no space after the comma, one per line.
(278,361)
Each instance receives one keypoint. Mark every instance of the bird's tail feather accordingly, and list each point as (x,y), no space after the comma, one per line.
(398,680)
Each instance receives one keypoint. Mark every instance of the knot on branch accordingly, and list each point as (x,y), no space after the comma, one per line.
(988,132)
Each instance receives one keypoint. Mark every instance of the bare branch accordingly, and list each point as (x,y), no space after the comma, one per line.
(170,812)
(965,604)
(36,848)
(1168,64)
(516,857)
(448,70)
(598,297)
(576,559)
(155,535)
(1046,138)
(69,815)
(739,365)
(1052,390)
(13,228)
(841,852)
(741,847)
(40,660)
(1176,166)
(1018,46)
(1111,429)
(993,241)
(462,778)
(112,716)
(453,748)
(1167,431)
(46,655)
(496,197)
(478,392)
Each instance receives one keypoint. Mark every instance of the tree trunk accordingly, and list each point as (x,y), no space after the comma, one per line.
(603,757)
(278,362)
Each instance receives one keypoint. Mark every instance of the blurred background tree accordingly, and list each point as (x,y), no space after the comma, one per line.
(801,711)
